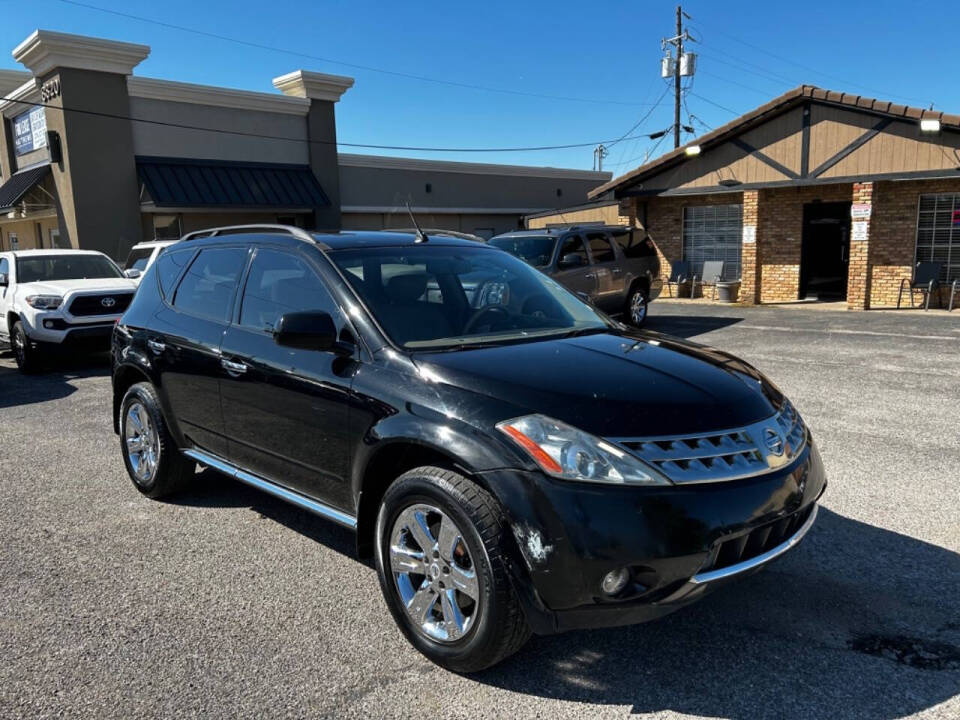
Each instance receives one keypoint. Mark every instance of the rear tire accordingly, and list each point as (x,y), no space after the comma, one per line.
(28,356)
(638,306)
(451,628)
(153,461)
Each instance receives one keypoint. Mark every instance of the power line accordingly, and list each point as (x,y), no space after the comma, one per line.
(715,104)
(355,66)
(643,119)
(242,133)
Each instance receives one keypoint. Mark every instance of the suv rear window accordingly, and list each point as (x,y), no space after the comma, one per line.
(169,265)
(208,287)
(633,245)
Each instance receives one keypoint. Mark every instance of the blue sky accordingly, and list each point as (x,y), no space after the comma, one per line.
(602,56)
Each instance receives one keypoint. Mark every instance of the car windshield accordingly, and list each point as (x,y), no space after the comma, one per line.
(534,249)
(457,297)
(74,266)
(137,259)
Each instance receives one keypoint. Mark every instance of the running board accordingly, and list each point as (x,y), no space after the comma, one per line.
(294,498)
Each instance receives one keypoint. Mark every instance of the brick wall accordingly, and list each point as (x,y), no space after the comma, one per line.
(893,235)
(750,260)
(779,235)
(858,269)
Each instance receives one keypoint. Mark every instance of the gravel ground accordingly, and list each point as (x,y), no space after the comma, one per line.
(227,603)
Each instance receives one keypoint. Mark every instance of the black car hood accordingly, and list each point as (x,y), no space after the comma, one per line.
(615,385)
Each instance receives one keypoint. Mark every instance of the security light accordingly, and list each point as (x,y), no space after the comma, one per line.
(692,150)
(930,125)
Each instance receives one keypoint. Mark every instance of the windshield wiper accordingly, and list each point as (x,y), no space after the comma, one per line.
(579,332)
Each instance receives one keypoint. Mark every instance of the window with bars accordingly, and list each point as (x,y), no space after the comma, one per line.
(938,232)
(713,232)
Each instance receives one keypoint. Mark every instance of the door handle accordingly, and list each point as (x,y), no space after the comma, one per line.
(157,346)
(589,276)
(234,368)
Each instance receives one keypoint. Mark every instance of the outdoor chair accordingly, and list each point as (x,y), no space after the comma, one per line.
(711,274)
(926,279)
(679,275)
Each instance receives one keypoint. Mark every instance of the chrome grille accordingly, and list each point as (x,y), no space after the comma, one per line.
(725,454)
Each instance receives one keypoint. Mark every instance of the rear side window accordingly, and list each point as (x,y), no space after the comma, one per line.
(169,265)
(280,283)
(600,248)
(633,245)
(4,267)
(208,287)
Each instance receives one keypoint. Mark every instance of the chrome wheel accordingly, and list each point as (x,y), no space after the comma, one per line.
(142,443)
(434,573)
(638,308)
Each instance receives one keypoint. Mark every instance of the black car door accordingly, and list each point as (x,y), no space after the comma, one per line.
(573,266)
(184,339)
(285,409)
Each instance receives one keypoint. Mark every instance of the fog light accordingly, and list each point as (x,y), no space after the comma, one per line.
(48,323)
(615,581)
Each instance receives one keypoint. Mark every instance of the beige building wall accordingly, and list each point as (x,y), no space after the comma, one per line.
(26,231)
(606,214)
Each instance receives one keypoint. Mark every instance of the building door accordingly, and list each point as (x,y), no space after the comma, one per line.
(825,253)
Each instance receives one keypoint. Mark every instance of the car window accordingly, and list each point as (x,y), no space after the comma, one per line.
(600,248)
(574,245)
(4,266)
(633,245)
(169,265)
(534,249)
(208,287)
(278,283)
(138,258)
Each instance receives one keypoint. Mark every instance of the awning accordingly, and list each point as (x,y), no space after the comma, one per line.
(183,182)
(19,184)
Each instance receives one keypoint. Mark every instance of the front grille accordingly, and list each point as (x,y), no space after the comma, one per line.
(758,541)
(725,454)
(93,304)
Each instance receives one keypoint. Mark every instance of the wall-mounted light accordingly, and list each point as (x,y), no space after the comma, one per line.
(930,125)
(729,182)
(692,150)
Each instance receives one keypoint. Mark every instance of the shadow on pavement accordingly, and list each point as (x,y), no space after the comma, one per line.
(52,383)
(780,643)
(688,326)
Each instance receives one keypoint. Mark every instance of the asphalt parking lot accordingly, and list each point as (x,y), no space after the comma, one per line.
(227,603)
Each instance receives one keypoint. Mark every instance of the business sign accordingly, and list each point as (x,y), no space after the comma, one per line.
(749,234)
(30,131)
(860,211)
(861,231)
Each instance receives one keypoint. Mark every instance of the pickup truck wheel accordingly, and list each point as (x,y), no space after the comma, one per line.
(27,355)
(637,306)
(152,459)
(441,565)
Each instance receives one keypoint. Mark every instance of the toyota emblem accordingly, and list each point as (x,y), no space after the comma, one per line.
(773,441)
(108,302)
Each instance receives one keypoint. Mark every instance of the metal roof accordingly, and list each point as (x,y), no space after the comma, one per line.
(19,184)
(790,99)
(183,182)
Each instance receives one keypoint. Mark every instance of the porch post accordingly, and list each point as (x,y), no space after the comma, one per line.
(750,261)
(858,279)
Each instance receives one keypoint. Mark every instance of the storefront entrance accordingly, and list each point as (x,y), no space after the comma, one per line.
(825,252)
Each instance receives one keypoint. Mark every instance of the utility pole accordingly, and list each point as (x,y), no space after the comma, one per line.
(599,153)
(676,79)
(684,65)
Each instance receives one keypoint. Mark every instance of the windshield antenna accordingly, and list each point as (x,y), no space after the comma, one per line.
(421,235)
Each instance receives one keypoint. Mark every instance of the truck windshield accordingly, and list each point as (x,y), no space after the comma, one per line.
(457,297)
(536,250)
(77,266)
(137,259)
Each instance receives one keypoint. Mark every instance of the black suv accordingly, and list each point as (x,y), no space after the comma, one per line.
(513,459)
(617,268)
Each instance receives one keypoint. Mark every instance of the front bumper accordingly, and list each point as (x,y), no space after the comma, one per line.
(53,329)
(678,542)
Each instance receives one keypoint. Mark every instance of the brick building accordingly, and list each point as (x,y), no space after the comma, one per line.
(815,195)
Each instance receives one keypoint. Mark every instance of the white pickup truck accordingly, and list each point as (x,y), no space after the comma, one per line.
(59,298)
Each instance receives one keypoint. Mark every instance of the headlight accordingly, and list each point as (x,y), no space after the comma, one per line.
(44,302)
(565,452)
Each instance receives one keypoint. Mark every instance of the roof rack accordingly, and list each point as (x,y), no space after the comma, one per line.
(296,232)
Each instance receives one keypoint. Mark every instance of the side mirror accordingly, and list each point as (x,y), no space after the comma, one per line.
(571,260)
(133,273)
(4,280)
(311,330)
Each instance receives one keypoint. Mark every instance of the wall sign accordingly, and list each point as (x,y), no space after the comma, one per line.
(861,231)
(749,234)
(30,131)
(861,211)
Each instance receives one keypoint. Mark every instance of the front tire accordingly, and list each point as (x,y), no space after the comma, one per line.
(440,559)
(150,455)
(28,356)
(638,305)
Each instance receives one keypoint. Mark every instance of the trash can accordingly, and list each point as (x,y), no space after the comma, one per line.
(728,290)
